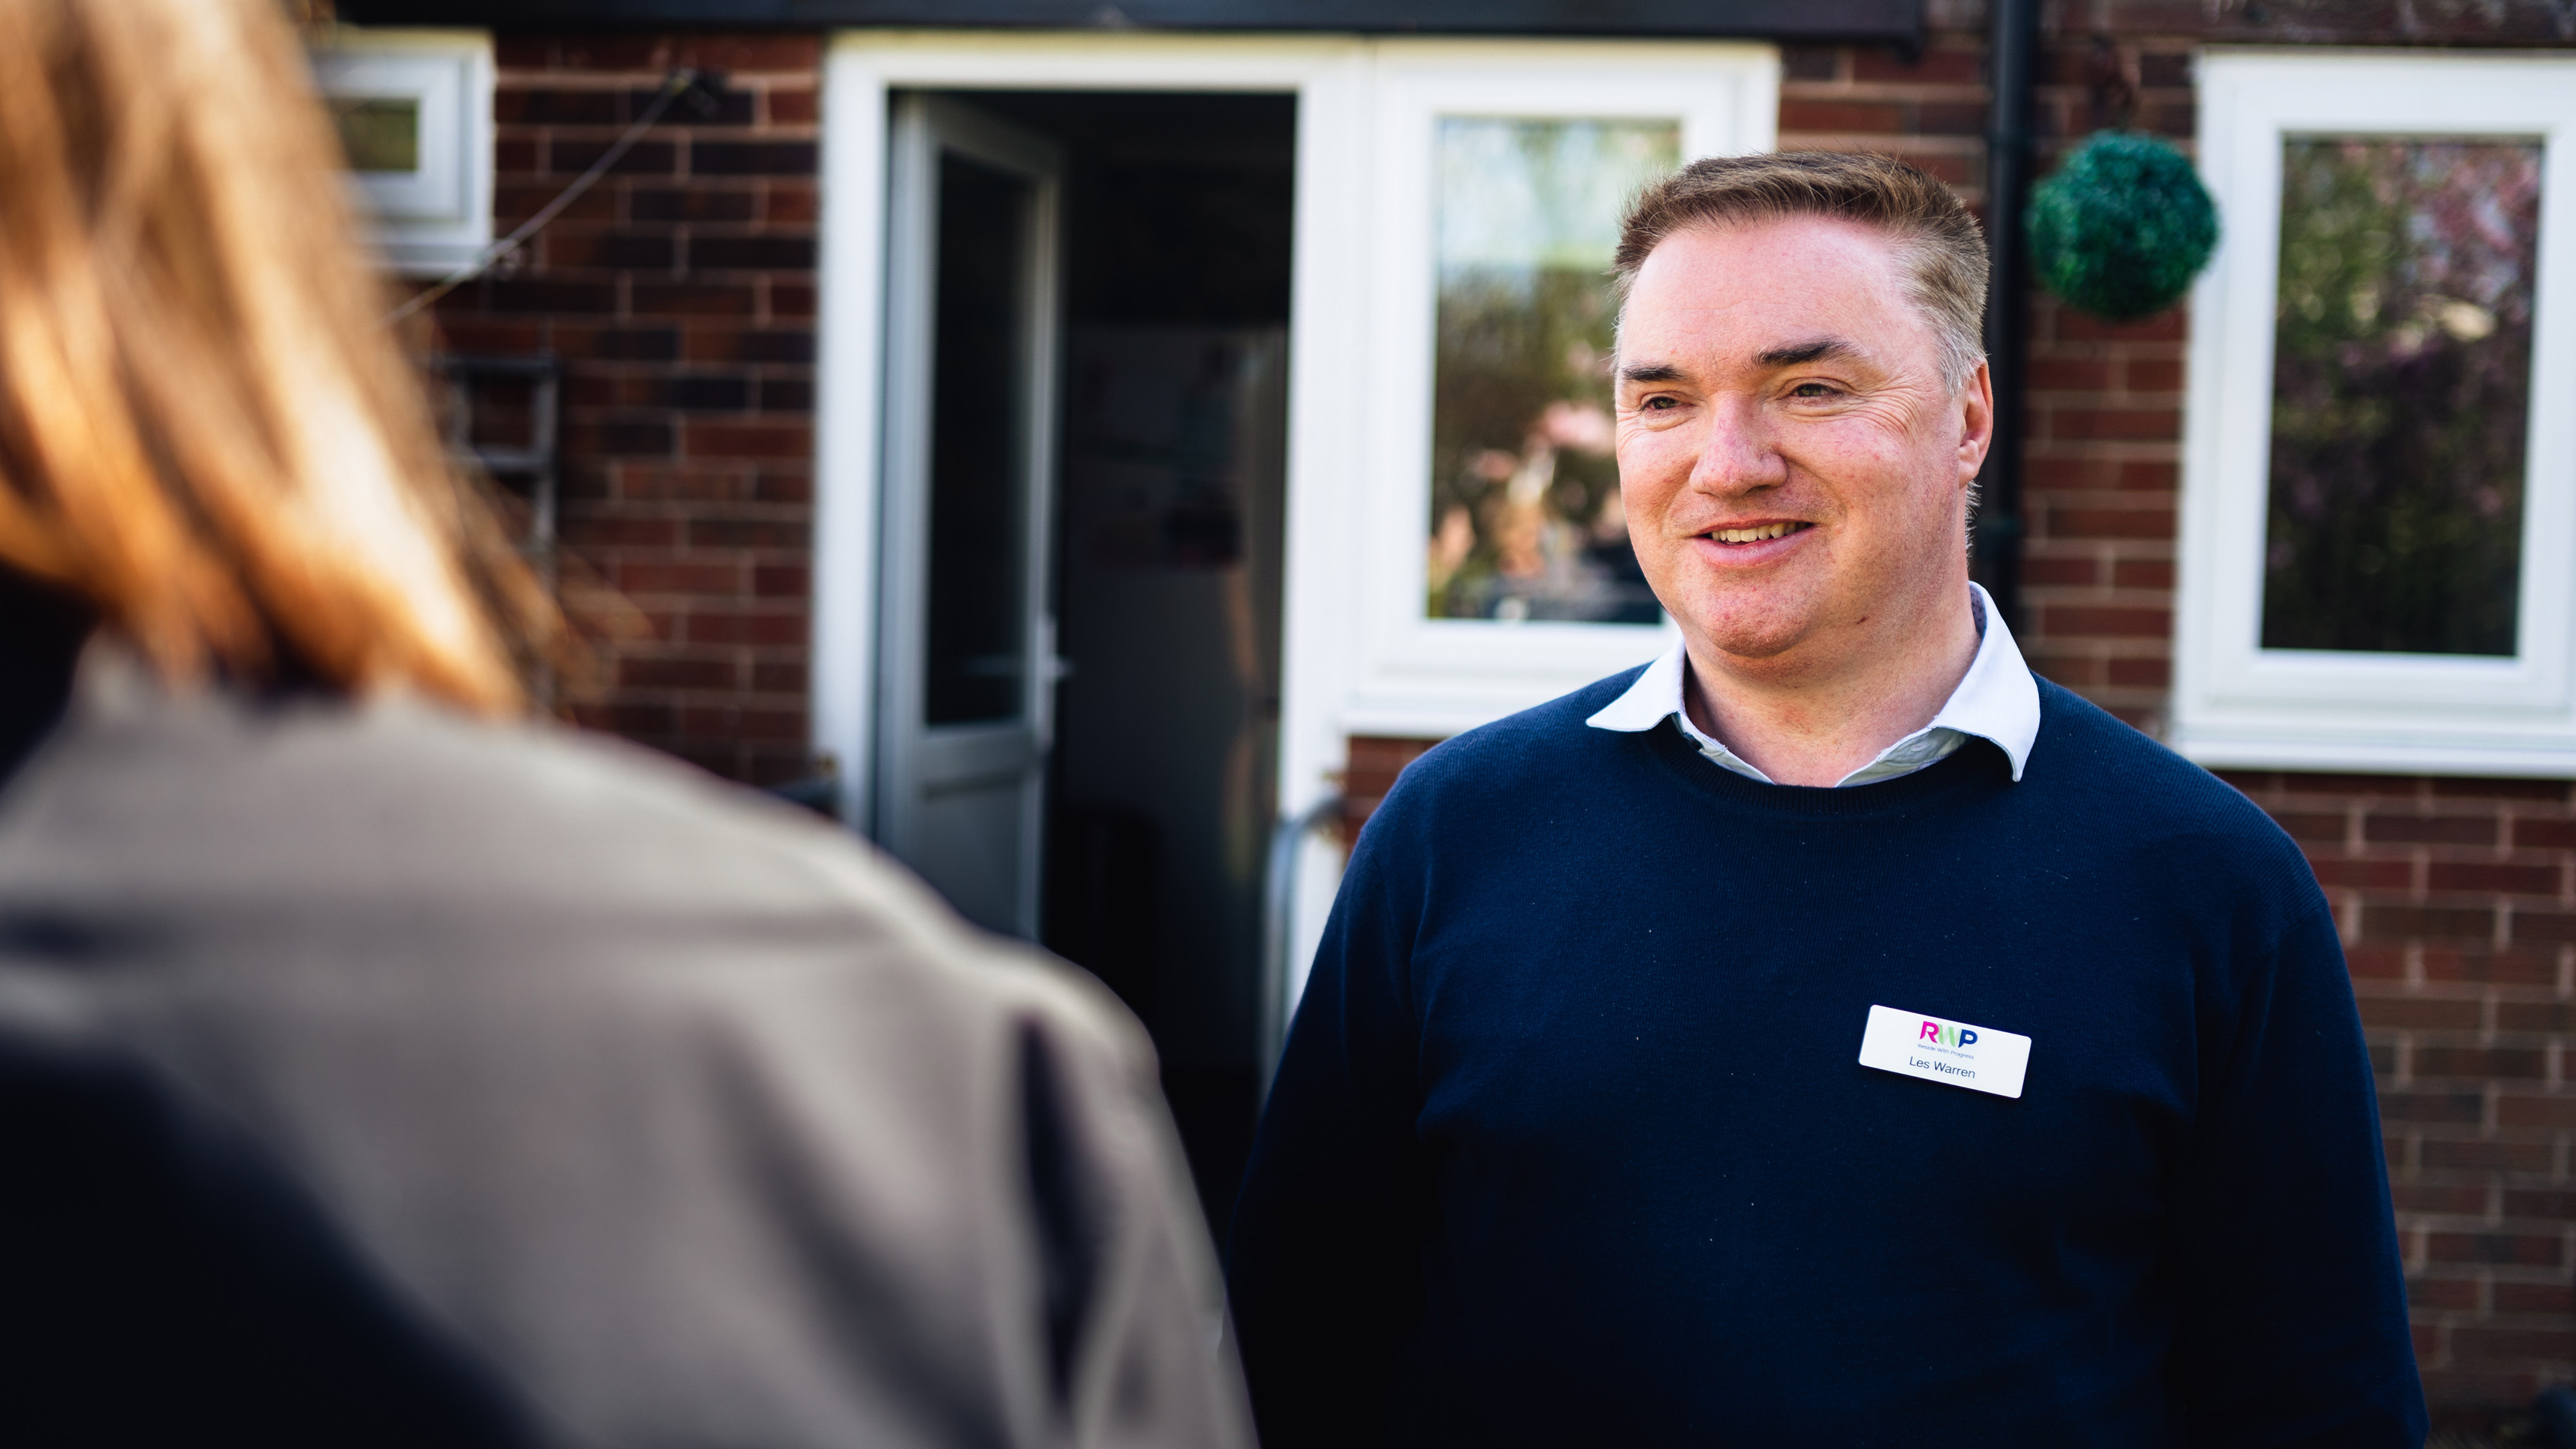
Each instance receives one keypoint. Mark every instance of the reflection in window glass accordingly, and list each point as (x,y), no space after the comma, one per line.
(2401,395)
(380,133)
(1525,520)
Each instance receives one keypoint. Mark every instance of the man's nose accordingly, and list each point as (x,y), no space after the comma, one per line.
(1736,453)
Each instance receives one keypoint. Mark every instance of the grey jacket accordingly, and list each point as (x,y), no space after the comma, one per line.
(682,1114)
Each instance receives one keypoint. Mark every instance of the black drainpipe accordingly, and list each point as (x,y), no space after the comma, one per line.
(2012,49)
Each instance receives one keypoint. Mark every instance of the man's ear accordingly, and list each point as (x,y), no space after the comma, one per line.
(1976,414)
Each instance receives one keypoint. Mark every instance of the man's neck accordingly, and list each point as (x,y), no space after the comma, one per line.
(1814,722)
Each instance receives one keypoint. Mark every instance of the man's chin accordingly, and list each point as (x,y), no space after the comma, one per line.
(1756,651)
(1753,625)
(1754,642)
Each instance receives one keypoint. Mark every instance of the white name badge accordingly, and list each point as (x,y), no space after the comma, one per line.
(1937,1049)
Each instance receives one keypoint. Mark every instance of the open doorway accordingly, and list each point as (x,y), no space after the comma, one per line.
(1165,517)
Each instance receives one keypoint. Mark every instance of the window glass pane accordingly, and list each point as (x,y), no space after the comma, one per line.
(978,624)
(1525,520)
(380,133)
(2401,395)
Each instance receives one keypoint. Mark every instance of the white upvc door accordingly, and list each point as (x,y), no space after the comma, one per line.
(967,637)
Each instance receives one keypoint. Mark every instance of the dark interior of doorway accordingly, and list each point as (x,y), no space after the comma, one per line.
(1177,224)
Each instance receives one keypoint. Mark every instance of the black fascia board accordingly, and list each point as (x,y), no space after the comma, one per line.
(1896,21)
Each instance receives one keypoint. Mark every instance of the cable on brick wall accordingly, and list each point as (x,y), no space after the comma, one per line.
(682,81)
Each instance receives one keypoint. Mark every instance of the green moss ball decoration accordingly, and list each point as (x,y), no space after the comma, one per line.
(2123,226)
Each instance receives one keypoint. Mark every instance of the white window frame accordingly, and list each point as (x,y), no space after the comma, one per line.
(438,217)
(2235,702)
(1416,675)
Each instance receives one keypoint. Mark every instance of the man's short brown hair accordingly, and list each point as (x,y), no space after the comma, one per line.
(1943,252)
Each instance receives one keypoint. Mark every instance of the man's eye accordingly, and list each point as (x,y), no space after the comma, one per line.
(1658,404)
(1812,389)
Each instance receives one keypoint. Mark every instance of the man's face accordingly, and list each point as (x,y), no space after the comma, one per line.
(1794,468)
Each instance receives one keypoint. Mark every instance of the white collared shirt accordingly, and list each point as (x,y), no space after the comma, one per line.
(1996,700)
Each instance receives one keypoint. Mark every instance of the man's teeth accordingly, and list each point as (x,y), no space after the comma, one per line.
(1750,535)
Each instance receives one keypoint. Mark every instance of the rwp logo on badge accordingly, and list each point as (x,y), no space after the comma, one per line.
(1912,1044)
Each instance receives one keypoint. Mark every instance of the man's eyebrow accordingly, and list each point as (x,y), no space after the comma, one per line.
(1650,372)
(1815,351)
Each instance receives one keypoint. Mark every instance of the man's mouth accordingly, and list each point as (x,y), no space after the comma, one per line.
(1757,533)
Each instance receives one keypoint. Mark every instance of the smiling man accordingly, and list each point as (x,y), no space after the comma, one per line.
(1827,1033)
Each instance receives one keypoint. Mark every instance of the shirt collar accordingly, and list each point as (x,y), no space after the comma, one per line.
(1996,700)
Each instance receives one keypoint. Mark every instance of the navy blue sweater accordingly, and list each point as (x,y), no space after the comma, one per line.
(1570,1145)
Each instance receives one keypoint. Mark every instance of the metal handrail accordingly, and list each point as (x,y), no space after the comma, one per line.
(1279,924)
(538,460)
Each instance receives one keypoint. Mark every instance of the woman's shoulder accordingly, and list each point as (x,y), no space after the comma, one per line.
(570,852)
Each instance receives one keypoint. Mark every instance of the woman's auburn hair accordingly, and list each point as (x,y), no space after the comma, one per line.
(206,432)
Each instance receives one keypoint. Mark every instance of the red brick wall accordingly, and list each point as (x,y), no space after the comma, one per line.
(2460,923)
(1372,765)
(680,292)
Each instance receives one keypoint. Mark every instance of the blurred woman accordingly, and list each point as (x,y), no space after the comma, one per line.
(376,1068)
